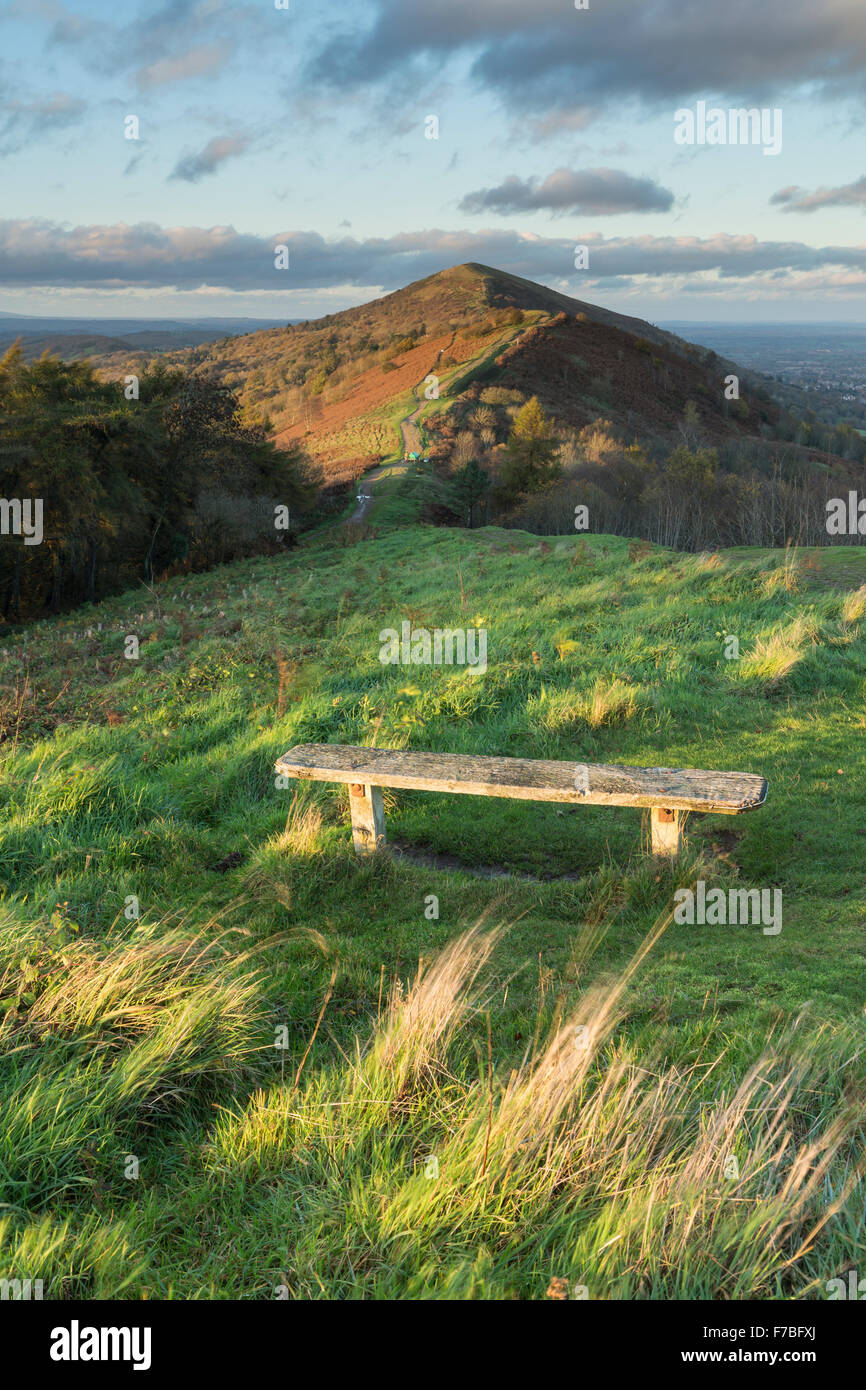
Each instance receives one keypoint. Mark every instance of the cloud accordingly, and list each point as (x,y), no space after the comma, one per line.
(194,167)
(794,199)
(196,62)
(561,122)
(66,27)
(540,56)
(587,192)
(23,121)
(42,254)
(182,40)
(785,194)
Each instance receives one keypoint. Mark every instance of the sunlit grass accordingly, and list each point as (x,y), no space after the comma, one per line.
(197,974)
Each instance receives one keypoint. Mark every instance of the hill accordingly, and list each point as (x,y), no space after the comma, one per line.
(636,431)
(71,347)
(203,990)
(110,339)
(341,384)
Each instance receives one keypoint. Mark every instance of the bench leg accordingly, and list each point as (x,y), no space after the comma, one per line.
(667,832)
(368,818)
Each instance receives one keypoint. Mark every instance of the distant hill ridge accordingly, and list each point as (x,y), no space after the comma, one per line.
(72,338)
(341,383)
(472,286)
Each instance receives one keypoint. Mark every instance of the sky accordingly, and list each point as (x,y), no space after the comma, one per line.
(155,157)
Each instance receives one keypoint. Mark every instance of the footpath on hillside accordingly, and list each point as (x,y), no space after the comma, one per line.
(412,444)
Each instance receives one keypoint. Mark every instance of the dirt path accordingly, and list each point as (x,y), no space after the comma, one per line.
(411,433)
(411,445)
(384,470)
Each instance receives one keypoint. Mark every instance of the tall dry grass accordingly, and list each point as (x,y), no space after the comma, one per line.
(595,1159)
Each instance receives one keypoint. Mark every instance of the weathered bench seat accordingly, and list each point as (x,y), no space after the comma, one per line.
(667,792)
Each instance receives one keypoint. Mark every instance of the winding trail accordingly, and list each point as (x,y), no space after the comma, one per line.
(410,431)
(384,470)
(411,445)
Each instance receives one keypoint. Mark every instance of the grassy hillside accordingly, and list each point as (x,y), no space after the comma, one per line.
(340,384)
(581,1069)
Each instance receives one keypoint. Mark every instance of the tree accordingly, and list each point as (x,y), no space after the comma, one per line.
(120,483)
(531,455)
(693,471)
(470,486)
(690,425)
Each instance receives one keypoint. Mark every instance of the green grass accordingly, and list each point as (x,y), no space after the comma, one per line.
(146,1044)
(398,496)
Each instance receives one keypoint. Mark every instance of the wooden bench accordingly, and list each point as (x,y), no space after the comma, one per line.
(668,792)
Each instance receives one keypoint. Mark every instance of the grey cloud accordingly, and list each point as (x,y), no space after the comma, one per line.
(194,167)
(785,195)
(587,192)
(546,55)
(23,121)
(162,44)
(794,199)
(186,39)
(41,254)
